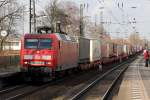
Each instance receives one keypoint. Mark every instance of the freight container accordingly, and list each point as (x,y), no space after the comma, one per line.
(111,49)
(104,48)
(119,50)
(126,49)
(89,50)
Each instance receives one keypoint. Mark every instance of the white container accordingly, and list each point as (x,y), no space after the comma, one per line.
(89,50)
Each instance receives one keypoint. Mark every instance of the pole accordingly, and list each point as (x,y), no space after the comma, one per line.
(101,18)
(30,17)
(123,21)
(95,20)
(95,23)
(23,20)
(81,20)
(34,17)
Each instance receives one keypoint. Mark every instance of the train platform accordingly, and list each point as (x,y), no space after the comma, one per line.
(136,82)
(9,70)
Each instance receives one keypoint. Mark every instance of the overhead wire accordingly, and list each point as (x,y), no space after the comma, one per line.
(111,13)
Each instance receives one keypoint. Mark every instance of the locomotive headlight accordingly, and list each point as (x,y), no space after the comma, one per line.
(25,62)
(49,63)
(28,57)
(47,57)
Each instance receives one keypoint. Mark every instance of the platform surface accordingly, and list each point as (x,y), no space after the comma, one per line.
(9,70)
(136,82)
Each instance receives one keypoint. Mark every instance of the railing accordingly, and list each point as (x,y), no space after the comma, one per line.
(9,52)
(9,58)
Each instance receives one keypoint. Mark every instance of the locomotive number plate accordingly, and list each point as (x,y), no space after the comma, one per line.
(37,63)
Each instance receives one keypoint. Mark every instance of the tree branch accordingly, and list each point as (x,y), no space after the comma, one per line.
(4,2)
(10,14)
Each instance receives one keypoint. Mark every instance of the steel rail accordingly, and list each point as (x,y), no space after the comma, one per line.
(11,88)
(107,93)
(88,87)
(31,91)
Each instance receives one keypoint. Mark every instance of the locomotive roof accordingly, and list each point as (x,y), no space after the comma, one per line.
(59,36)
(37,35)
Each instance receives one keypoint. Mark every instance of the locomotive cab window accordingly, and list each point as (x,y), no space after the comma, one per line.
(38,43)
(31,43)
(45,43)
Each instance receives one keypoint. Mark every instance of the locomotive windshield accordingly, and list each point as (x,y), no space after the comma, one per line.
(44,44)
(38,43)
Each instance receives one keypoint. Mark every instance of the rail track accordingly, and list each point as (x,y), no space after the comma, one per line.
(9,89)
(102,86)
(8,80)
(23,90)
(18,92)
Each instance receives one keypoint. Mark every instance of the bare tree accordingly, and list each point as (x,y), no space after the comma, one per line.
(55,13)
(68,13)
(65,12)
(134,39)
(73,18)
(10,11)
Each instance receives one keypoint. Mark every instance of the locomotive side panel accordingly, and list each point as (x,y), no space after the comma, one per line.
(67,54)
(22,52)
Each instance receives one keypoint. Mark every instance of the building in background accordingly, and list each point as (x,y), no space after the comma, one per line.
(12,43)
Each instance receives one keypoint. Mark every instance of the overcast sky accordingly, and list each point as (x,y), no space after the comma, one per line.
(112,13)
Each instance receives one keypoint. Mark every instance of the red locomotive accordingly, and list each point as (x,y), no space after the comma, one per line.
(48,53)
